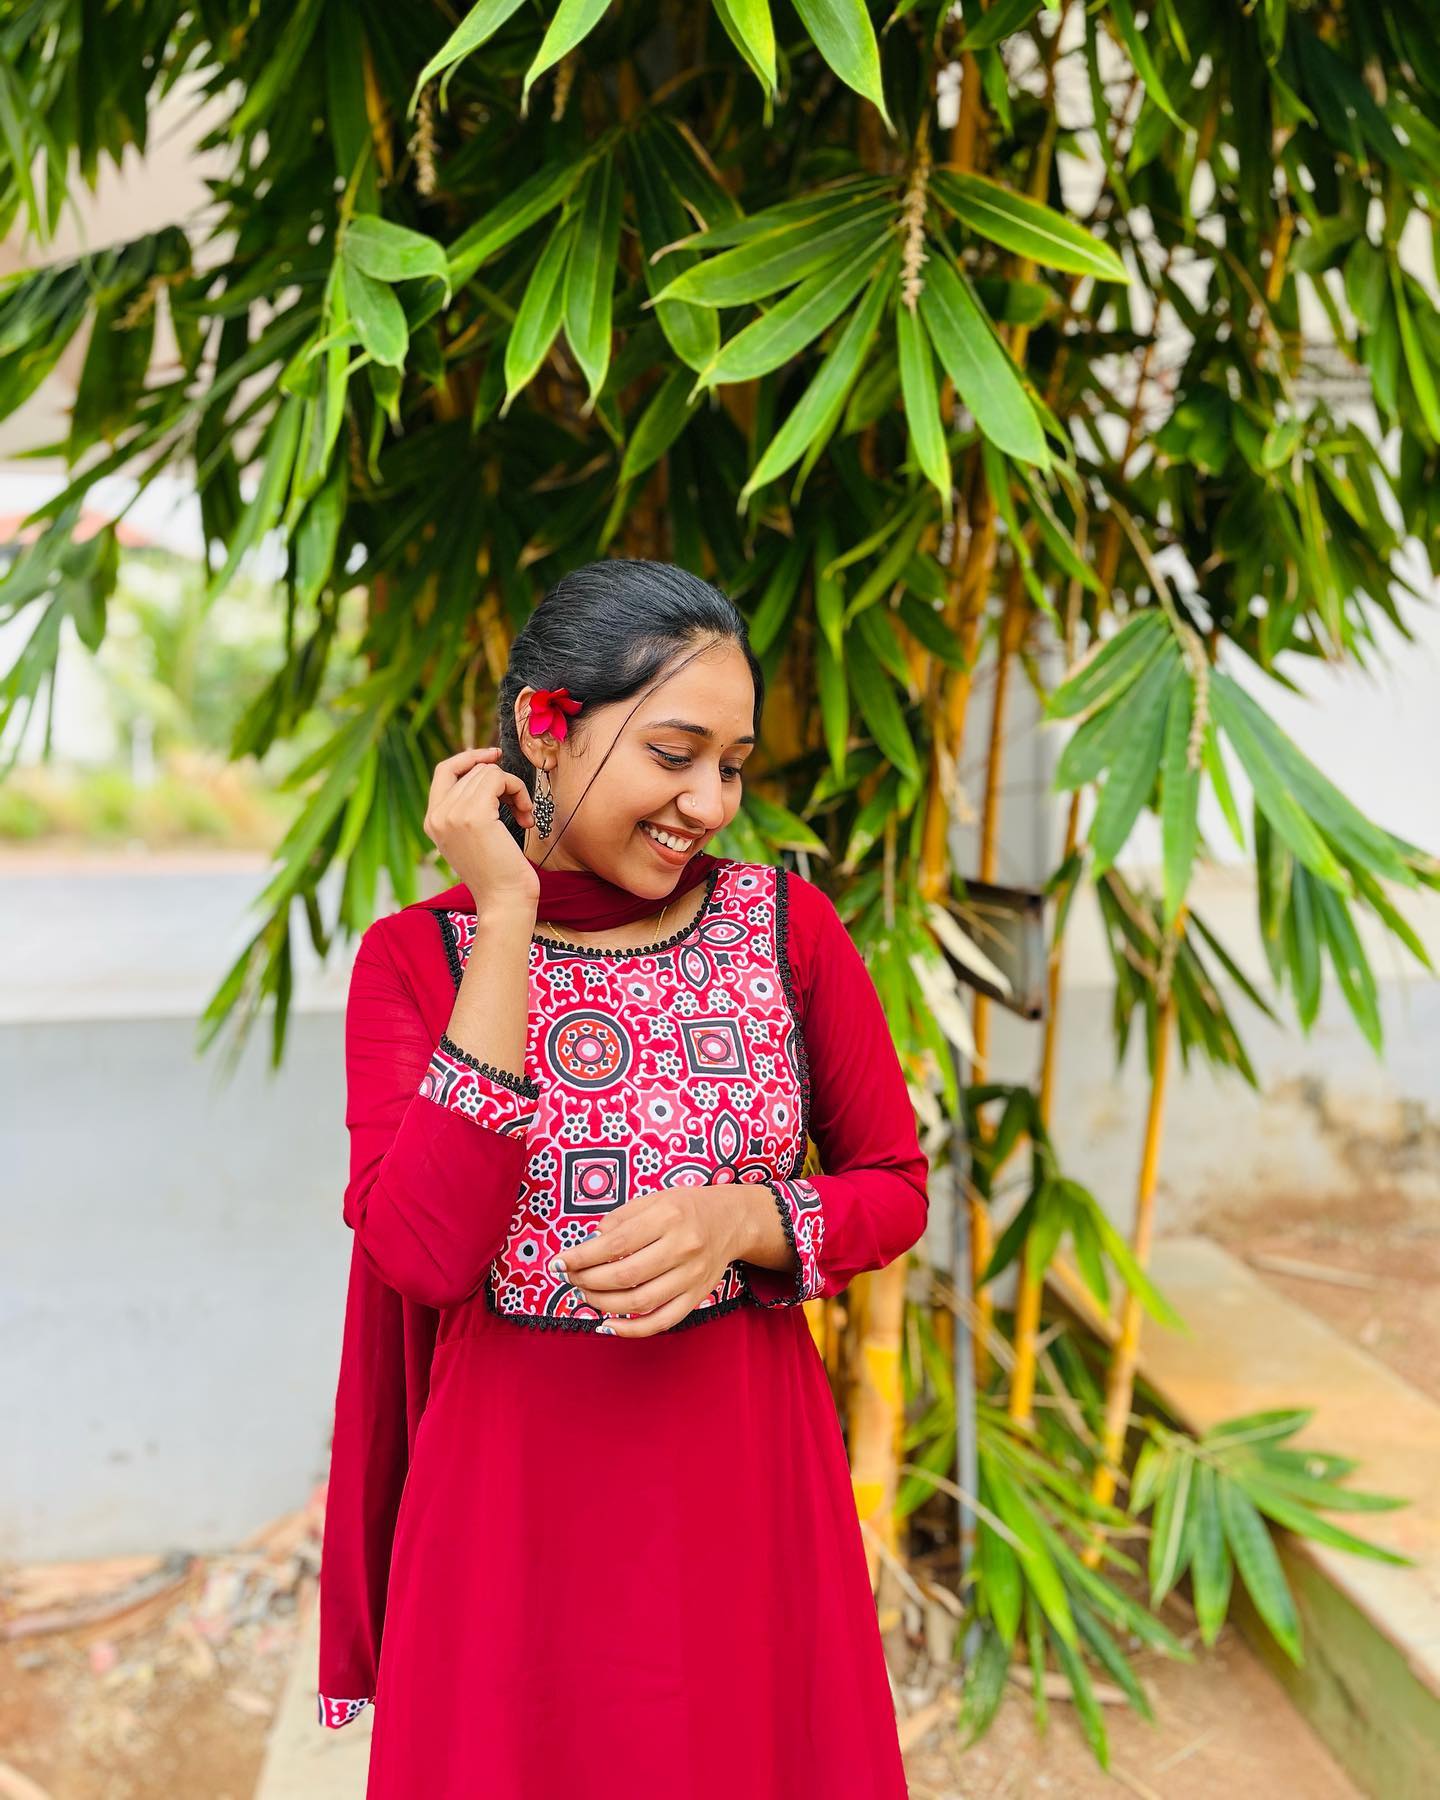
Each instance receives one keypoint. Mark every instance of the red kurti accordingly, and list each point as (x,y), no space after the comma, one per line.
(635,1570)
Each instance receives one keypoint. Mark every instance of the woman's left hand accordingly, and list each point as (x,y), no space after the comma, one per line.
(657,1255)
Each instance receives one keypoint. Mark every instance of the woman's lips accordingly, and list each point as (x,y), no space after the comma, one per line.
(672,857)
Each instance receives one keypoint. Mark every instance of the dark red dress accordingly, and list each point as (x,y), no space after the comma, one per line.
(636,1570)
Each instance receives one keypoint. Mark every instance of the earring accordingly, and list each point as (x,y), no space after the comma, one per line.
(544,805)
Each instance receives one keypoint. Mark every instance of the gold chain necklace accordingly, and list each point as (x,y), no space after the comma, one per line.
(574,946)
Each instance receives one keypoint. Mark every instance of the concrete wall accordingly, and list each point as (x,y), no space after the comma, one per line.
(173,1272)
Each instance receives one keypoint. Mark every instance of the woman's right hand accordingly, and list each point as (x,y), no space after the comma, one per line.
(463,821)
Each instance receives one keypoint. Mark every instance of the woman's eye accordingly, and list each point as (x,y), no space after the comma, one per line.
(733,770)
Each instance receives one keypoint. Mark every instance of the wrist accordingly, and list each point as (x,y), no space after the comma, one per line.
(506,915)
(752,1214)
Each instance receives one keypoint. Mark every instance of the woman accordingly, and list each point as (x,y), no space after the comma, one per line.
(580,1088)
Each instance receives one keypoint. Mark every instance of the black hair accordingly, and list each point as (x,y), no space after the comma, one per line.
(607,631)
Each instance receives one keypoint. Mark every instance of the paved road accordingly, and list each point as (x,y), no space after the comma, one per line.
(143,936)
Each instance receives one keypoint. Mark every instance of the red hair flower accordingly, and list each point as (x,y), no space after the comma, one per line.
(548,707)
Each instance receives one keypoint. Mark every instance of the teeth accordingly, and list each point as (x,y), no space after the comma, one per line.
(664,837)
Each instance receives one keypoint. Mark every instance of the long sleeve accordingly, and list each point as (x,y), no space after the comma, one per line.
(871,1202)
(369,1457)
(437,1140)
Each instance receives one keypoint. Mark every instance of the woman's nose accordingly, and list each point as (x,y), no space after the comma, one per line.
(705,807)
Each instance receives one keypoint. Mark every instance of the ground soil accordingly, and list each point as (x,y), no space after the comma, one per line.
(1383,1236)
(173,1696)
(1223,1726)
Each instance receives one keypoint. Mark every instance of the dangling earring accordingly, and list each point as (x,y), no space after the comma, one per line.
(544,805)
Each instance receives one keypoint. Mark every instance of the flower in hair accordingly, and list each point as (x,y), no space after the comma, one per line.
(548,707)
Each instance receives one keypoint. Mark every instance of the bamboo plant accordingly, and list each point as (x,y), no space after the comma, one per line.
(937,336)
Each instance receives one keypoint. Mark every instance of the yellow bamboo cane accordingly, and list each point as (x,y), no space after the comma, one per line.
(1124,1360)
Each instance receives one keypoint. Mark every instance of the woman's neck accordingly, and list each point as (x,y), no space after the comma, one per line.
(634,936)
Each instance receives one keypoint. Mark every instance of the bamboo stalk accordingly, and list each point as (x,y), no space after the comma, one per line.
(1120,1377)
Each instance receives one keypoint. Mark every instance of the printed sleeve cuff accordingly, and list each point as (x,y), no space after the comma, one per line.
(803,1222)
(491,1097)
(335,1713)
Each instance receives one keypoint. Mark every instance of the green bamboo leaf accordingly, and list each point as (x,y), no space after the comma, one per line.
(1089,1259)
(1130,777)
(1270,1426)
(1128,1268)
(842,33)
(1259,1567)
(1123,14)
(1130,1615)
(479,24)
(985,1681)
(262,513)
(590,276)
(783,829)
(393,253)
(973,357)
(1352,966)
(1031,230)
(772,611)
(537,319)
(378,316)
(756,269)
(1338,817)
(875,695)
(1002,20)
(1055,537)
(1300,1483)
(1051,1221)
(834,704)
(1035,1649)
(693,331)
(921,395)
(1271,794)
(1214,765)
(1210,1566)
(660,424)
(1170,1544)
(694,179)
(1303,936)
(1041,1573)
(832,204)
(1116,663)
(1377,900)
(790,325)
(1010,1242)
(540,194)
(1285,1509)
(1110,1658)
(1087,1708)
(1179,795)
(750,28)
(825,394)
(1000,1581)
(1422,377)
(924,619)
(318,533)
(292,40)
(573,22)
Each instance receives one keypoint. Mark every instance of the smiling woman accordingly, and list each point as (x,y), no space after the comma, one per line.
(617,1571)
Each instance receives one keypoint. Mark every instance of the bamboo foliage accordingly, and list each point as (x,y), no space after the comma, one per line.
(487,293)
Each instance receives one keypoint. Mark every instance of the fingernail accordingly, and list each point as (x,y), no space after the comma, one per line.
(609,1330)
(557,1265)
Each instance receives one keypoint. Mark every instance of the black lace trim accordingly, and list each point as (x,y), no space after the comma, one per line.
(518,1084)
(787,979)
(452,949)
(788,1225)
(551,1322)
(642,949)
